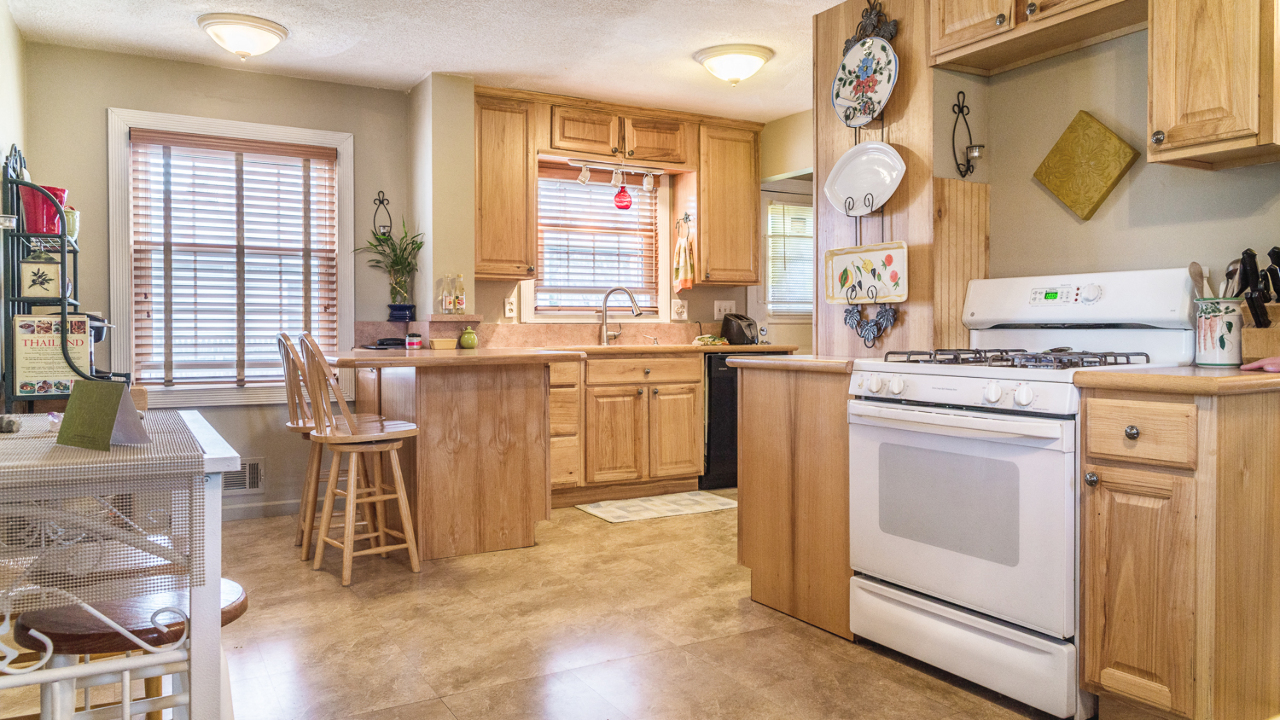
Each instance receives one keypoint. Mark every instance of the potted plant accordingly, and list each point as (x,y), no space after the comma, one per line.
(399,259)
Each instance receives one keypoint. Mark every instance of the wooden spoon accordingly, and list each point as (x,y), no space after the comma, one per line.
(1197,279)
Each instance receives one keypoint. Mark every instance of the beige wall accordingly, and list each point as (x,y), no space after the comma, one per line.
(1158,216)
(67,147)
(786,147)
(11,83)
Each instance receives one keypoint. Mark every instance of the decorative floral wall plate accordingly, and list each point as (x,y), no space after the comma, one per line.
(867,274)
(864,178)
(865,81)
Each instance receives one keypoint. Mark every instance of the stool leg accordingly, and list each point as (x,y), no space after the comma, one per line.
(405,518)
(58,699)
(182,684)
(153,687)
(307,507)
(349,527)
(380,507)
(327,513)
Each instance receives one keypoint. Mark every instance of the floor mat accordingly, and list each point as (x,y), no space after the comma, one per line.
(647,508)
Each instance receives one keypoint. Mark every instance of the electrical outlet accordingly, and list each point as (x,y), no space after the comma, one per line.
(725,307)
(679,310)
(509,307)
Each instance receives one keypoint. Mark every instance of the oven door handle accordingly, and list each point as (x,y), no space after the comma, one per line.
(967,425)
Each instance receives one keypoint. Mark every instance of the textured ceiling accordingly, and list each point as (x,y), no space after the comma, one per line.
(632,52)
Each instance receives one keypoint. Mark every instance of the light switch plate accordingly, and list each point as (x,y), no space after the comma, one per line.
(8,222)
(679,310)
(724,307)
(509,307)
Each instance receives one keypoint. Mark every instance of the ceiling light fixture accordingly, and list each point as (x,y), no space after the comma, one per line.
(733,63)
(244,35)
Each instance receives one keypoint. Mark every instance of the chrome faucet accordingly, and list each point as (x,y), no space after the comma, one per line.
(605,334)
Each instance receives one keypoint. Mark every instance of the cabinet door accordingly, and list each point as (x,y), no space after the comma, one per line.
(1203,81)
(579,130)
(1048,8)
(655,140)
(566,461)
(675,430)
(506,190)
(960,22)
(1139,580)
(616,433)
(728,207)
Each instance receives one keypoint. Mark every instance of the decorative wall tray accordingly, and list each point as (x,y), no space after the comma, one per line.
(867,274)
(864,178)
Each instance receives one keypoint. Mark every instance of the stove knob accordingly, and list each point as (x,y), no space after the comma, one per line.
(896,386)
(875,384)
(1090,293)
(993,392)
(1023,395)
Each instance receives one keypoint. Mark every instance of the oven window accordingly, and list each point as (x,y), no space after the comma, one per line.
(963,503)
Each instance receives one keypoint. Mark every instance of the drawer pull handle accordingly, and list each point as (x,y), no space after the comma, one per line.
(1091,479)
(1131,432)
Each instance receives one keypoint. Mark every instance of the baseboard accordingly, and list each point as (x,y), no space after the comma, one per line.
(587,494)
(253,510)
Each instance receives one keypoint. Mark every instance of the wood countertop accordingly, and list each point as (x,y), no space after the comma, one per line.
(673,349)
(801,363)
(443,358)
(1189,380)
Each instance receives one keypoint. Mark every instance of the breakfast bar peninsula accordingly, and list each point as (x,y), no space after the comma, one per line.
(481,465)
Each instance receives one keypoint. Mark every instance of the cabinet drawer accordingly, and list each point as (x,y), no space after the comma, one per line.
(651,370)
(565,373)
(564,411)
(1159,433)
(566,461)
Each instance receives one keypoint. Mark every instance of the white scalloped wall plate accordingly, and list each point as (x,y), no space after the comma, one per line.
(864,178)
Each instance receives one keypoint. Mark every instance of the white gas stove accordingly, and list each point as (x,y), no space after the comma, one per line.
(963,502)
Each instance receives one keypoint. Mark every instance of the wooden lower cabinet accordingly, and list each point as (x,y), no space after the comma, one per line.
(675,430)
(617,433)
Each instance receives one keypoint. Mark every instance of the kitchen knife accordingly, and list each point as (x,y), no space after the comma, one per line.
(1273,272)
(1254,295)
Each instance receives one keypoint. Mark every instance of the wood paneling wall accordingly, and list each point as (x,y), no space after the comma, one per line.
(961,230)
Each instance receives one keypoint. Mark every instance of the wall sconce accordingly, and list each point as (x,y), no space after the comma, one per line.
(380,203)
(971,152)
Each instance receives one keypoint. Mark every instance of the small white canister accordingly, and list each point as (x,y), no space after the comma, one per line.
(1218,322)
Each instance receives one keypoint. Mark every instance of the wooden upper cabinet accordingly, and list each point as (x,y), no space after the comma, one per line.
(728,242)
(586,131)
(1203,60)
(1139,584)
(616,433)
(960,22)
(675,430)
(654,140)
(506,189)
(1044,9)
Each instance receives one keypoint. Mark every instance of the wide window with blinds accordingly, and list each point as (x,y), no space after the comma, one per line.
(789,281)
(233,241)
(586,245)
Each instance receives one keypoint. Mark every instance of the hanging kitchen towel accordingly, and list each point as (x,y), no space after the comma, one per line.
(682,273)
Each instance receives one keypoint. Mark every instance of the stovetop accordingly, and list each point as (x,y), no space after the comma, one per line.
(1054,359)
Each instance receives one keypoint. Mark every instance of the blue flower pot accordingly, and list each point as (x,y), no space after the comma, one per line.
(401,312)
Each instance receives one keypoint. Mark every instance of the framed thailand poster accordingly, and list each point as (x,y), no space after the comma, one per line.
(39,368)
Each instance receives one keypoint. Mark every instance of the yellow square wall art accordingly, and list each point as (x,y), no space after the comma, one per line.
(1085,165)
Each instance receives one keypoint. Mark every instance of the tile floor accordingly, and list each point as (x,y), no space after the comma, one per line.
(647,620)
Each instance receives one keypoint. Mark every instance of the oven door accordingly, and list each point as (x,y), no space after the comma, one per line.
(973,508)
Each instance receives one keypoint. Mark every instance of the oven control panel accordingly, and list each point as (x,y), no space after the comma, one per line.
(1067,294)
(1055,398)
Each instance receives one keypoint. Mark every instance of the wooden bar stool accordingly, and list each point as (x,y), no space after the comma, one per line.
(357,438)
(302,422)
(75,633)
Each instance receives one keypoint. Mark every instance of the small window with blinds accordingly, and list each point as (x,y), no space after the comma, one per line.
(789,281)
(233,241)
(586,245)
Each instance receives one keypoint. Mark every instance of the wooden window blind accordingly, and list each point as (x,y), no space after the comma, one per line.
(587,246)
(791,260)
(233,242)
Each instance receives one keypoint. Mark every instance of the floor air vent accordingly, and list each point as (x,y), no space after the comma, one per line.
(245,481)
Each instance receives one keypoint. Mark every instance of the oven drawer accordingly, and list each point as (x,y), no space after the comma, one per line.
(643,370)
(1155,433)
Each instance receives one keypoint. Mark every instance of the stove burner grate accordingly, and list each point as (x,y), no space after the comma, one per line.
(962,356)
(1056,359)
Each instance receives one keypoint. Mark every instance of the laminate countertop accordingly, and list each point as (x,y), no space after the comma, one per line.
(1190,380)
(442,358)
(674,349)
(799,363)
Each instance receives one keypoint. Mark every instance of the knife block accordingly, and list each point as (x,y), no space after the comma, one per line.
(1257,343)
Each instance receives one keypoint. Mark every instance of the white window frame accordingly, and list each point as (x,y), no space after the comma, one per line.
(528,301)
(120,242)
(757,295)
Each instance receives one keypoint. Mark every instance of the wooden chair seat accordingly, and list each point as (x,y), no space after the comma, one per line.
(75,632)
(365,430)
(307,426)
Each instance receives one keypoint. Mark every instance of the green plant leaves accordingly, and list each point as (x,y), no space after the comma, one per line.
(844,278)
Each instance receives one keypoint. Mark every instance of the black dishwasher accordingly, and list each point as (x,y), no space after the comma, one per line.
(720,462)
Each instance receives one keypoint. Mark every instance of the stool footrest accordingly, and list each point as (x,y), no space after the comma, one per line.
(380,550)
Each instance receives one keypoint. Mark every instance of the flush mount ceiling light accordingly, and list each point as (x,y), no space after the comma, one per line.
(733,63)
(244,35)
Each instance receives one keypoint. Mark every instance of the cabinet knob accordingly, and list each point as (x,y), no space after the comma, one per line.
(1031,8)
(1091,479)
(529,269)
(708,274)
(646,371)
(655,391)
(1000,19)
(614,150)
(1131,432)
(639,391)
(630,153)
(1157,137)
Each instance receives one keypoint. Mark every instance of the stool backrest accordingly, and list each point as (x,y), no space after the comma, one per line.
(291,361)
(320,381)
